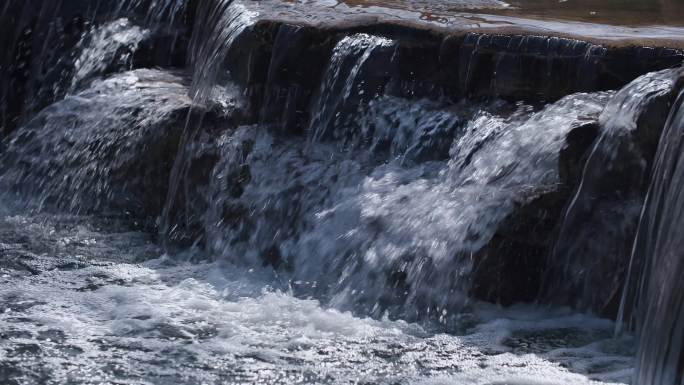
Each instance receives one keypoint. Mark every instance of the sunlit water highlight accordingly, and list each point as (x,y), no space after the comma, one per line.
(82,304)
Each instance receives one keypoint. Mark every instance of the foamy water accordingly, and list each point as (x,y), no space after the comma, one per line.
(82,305)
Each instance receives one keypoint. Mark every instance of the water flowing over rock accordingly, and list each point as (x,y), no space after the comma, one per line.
(295,191)
(653,297)
(609,198)
(154,11)
(268,55)
(46,44)
(349,83)
(295,204)
(108,147)
(221,23)
(107,49)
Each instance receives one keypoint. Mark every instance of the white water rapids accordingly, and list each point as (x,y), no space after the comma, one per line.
(87,301)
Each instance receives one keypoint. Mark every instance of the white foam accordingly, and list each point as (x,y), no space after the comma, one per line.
(113,320)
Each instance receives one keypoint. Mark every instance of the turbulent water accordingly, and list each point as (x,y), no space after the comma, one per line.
(151,233)
(387,235)
(89,300)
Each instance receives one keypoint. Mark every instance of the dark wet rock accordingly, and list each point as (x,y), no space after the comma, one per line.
(573,156)
(509,268)
(546,68)
(23,31)
(282,94)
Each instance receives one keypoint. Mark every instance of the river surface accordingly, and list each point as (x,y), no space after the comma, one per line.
(91,300)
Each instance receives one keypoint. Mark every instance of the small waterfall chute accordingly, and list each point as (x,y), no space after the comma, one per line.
(653,301)
(608,200)
(107,148)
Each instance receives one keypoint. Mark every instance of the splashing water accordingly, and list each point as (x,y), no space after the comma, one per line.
(342,80)
(106,46)
(653,296)
(343,254)
(155,11)
(88,152)
(222,22)
(374,231)
(92,312)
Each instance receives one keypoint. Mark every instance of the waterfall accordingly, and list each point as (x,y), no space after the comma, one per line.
(49,46)
(155,11)
(102,149)
(344,86)
(653,298)
(106,46)
(608,200)
(214,191)
(398,198)
(510,65)
(218,25)
(382,209)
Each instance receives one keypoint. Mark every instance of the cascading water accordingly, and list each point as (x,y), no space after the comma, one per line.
(385,214)
(343,89)
(155,11)
(109,45)
(653,297)
(609,198)
(49,47)
(82,153)
(159,226)
(222,22)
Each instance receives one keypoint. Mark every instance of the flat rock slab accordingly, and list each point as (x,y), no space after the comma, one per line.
(485,16)
(612,12)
